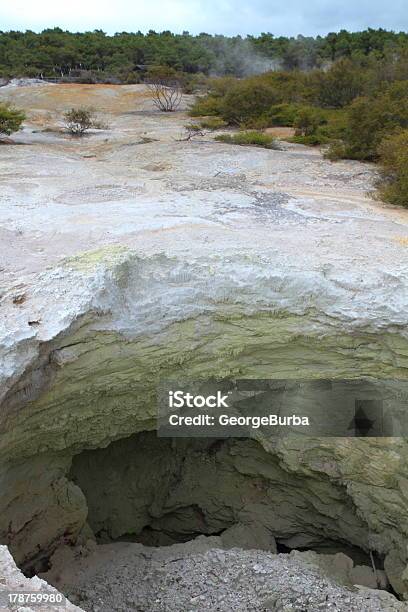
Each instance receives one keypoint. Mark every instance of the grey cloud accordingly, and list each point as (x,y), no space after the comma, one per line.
(308,17)
(281,17)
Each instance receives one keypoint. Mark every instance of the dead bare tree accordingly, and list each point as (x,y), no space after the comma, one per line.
(166,93)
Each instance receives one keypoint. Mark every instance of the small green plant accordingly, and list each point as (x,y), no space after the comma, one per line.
(212,123)
(79,120)
(335,151)
(11,120)
(253,138)
(393,157)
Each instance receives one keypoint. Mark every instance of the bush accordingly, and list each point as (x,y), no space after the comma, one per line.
(79,120)
(249,138)
(393,156)
(338,86)
(352,106)
(10,119)
(205,106)
(335,151)
(308,120)
(211,104)
(256,123)
(311,140)
(212,123)
(166,93)
(335,126)
(284,114)
(192,83)
(370,119)
(308,123)
(248,99)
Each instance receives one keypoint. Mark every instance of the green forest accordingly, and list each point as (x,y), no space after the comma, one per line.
(56,53)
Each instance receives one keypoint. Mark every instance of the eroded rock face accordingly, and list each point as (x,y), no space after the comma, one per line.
(223,261)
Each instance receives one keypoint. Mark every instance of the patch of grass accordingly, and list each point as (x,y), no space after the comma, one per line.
(212,123)
(253,138)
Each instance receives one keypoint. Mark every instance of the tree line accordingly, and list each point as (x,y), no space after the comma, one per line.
(119,58)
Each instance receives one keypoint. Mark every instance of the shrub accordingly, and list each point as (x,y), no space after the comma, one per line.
(249,138)
(370,119)
(79,120)
(248,99)
(335,151)
(308,120)
(211,104)
(335,126)
(10,119)
(338,86)
(256,123)
(284,114)
(192,83)
(212,123)
(393,156)
(205,106)
(247,102)
(311,140)
(166,93)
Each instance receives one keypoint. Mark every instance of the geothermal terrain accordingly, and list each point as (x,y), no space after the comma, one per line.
(131,256)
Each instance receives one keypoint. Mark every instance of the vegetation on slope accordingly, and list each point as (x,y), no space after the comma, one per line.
(357,107)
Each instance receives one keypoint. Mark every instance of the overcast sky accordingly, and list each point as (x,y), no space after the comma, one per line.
(290,17)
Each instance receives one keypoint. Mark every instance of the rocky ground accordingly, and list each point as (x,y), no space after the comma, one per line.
(201,575)
(135,184)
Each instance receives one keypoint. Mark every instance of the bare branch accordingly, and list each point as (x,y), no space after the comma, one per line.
(166,94)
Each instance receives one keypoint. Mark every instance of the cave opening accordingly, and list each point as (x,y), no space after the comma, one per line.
(161,491)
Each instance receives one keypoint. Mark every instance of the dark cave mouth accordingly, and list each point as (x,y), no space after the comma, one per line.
(161,491)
